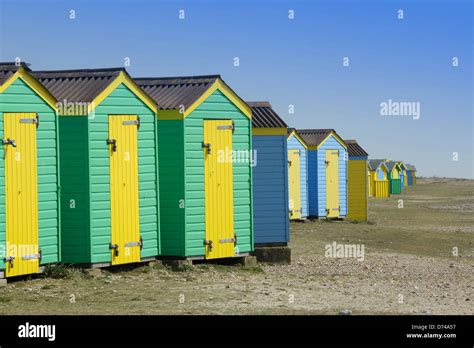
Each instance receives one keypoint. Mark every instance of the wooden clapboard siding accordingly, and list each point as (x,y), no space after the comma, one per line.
(270,189)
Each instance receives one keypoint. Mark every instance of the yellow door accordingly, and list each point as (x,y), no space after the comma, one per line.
(219,189)
(369,180)
(124,209)
(294,183)
(357,189)
(21,191)
(332,183)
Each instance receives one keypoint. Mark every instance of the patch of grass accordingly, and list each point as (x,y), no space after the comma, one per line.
(58,272)
(4,299)
(47,286)
(253,270)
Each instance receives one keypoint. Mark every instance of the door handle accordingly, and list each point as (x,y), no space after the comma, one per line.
(208,147)
(115,248)
(9,142)
(9,259)
(112,142)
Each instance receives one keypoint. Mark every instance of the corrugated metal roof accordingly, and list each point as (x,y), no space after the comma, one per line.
(263,116)
(81,85)
(7,69)
(410,167)
(314,137)
(173,92)
(354,149)
(390,164)
(374,163)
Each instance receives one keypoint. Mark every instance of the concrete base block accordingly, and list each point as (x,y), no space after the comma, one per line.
(274,254)
(94,272)
(247,261)
(152,263)
(178,265)
(3,282)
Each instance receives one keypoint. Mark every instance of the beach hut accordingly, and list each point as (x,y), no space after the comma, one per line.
(270,176)
(394,172)
(108,163)
(29,175)
(379,186)
(327,173)
(403,177)
(357,189)
(205,165)
(411,175)
(297,176)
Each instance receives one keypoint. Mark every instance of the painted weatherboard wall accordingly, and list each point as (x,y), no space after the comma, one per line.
(216,106)
(317,178)
(75,207)
(171,174)
(357,188)
(294,144)
(270,189)
(410,175)
(120,102)
(19,97)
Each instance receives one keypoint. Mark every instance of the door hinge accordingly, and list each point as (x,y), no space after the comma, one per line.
(227,240)
(208,243)
(133,244)
(32,257)
(9,259)
(31,120)
(115,248)
(207,146)
(132,122)
(112,142)
(9,142)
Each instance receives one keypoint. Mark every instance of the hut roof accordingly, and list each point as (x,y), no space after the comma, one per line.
(81,85)
(354,149)
(173,92)
(8,69)
(263,116)
(410,167)
(375,163)
(315,137)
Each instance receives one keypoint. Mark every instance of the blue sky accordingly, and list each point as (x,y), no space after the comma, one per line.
(297,62)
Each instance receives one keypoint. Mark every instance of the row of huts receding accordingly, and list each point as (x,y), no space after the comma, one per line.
(102,169)
(98,168)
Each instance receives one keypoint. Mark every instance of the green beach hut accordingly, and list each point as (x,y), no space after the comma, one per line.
(29,175)
(205,165)
(108,163)
(394,177)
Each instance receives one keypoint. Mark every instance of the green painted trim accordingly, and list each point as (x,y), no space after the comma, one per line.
(185,181)
(58,178)
(158,205)
(252,237)
(88,181)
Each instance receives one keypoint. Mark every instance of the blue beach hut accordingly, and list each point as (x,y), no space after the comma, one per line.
(327,173)
(270,176)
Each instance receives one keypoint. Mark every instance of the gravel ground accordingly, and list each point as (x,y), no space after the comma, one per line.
(408,268)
